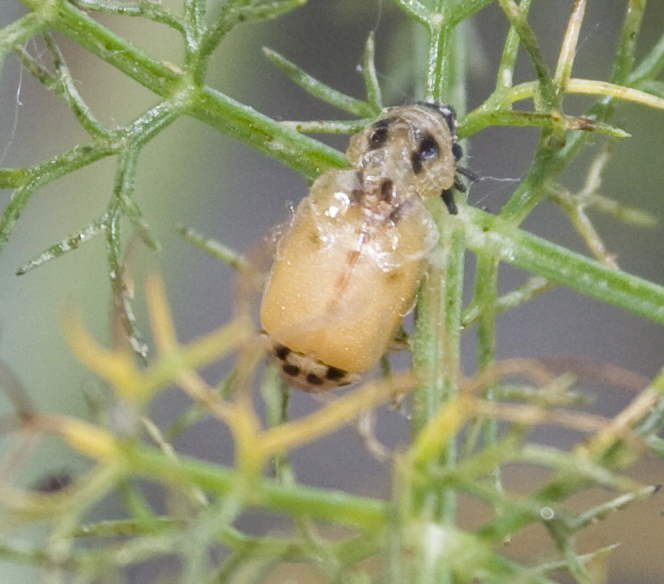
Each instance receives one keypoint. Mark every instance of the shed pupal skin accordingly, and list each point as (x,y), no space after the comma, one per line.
(347,269)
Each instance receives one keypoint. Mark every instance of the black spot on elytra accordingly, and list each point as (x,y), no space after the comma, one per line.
(291,370)
(428,148)
(334,373)
(314,379)
(282,352)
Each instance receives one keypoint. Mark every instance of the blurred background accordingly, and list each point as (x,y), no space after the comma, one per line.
(193,175)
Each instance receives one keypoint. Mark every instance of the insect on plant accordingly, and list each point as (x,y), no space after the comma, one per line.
(347,270)
(348,267)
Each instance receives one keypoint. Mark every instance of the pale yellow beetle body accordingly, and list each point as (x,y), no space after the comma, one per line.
(347,269)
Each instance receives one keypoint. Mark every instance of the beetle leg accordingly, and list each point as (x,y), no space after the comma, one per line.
(450,203)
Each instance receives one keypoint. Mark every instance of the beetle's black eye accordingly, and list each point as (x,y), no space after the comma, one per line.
(377,138)
(428,148)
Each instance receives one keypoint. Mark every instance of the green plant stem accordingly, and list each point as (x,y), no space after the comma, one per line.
(463,10)
(212,107)
(124,183)
(31,179)
(62,247)
(322,91)
(374,96)
(531,288)
(436,343)
(505,77)
(518,20)
(517,247)
(486,296)
(333,506)
(549,160)
(564,541)
(651,65)
(624,63)
(440,67)
(148,9)
(484,116)
(20,31)
(415,9)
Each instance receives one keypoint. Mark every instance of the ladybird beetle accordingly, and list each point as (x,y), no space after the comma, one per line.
(347,269)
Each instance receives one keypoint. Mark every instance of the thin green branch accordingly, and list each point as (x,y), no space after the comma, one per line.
(576,465)
(569,48)
(319,89)
(440,65)
(624,63)
(20,31)
(483,117)
(415,9)
(233,13)
(564,541)
(269,11)
(64,246)
(621,212)
(487,232)
(135,503)
(43,173)
(133,212)
(505,77)
(603,510)
(144,9)
(334,506)
(13,178)
(574,474)
(486,295)
(519,21)
(194,16)
(219,250)
(122,305)
(328,126)
(374,97)
(585,558)
(651,65)
(531,288)
(302,153)
(577,215)
(195,61)
(465,9)
(156,119)
(604,106)
(228,17)
(63,85)
(212,107)
(110,47)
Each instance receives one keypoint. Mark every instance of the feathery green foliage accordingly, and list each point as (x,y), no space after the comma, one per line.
(457,445)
